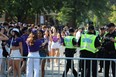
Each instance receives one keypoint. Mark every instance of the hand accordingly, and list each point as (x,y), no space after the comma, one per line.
(43,44)
(112,39)
(22,59)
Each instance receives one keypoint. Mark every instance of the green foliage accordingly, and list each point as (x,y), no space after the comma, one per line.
(17,9)
(112,17)
(64,15)
(84,9)
(69,11)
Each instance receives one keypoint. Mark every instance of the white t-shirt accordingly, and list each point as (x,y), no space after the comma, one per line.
(78,34)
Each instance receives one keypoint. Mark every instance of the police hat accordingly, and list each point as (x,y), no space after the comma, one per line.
(90,22)
(71,30)
(110,25)
(91,27)
(34,31)
(15,29)
(102,28)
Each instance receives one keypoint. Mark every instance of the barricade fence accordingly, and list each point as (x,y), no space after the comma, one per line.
(84,66)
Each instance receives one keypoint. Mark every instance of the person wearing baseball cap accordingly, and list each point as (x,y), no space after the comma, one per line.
(70,50)
(110,52)
(16,30)
(16,50)
(88,44)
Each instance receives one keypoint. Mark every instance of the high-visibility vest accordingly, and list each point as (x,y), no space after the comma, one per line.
(68,42)
(87,42)
(115,44)
(101,38)
(96,32)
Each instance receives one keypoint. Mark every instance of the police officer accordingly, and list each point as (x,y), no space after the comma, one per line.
(90,23)
(70,50)
(110,52)
(102,33)
(88,46)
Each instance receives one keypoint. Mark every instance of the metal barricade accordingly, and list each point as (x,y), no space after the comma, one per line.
(82,66)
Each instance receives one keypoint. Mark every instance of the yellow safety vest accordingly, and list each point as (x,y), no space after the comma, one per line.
(87,43)
(68,42)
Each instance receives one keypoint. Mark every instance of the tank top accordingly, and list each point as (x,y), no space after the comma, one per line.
(55,39)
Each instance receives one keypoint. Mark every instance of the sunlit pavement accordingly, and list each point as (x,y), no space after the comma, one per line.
(57,71)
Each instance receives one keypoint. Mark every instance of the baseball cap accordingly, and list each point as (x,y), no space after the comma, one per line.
(90,23)
(91,27)
(102,28)
(34,31)
(15,29)
(110,25)
(71,30)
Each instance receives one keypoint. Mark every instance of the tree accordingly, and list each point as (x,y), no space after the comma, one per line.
(82,9)
(112,17)
(2,7)
(45,7)
(18,10)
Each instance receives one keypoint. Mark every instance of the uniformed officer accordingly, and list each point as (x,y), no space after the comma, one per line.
(102,33)
(90,23)
(110,49)
(70,50)
(88,46)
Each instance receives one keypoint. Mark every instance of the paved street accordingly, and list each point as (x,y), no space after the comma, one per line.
(56,71)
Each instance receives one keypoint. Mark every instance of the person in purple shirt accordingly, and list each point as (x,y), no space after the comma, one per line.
(16,51)
(33,64)
(43,51)
(25,34)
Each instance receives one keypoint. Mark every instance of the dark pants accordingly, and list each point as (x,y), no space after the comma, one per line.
(70,63)
(101,64)
(100,54)
(88,67)
(107,67)
(108,63)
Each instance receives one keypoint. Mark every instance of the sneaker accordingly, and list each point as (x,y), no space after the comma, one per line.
(56,64)
(48,64)
(100,71)
(6,72)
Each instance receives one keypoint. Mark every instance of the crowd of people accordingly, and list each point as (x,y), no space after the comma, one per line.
(35,41)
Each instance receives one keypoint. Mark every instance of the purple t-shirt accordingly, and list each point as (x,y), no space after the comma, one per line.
(14,42)
(25,47)
(35,47)
(55,39)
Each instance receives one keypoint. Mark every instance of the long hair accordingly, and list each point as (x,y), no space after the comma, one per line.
(42,34)
(33,36)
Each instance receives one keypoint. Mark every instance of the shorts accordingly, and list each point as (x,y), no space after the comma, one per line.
(43,53)
(25,55)
(1,56)
(1,51)
(15,53)
(55,45)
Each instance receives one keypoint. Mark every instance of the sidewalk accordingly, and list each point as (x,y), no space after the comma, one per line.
(56,71)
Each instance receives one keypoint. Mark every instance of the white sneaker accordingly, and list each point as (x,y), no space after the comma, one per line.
(6,72)
(48,64)
(55,64)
